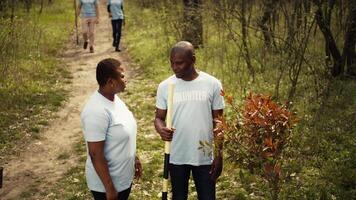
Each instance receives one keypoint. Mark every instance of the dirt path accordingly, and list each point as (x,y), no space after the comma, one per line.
(38,166)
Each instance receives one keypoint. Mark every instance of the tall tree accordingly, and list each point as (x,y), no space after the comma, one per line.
(28,5)
(244,32)
(192,22)
(348,55)
(269,9)
(350,40)
(337,68)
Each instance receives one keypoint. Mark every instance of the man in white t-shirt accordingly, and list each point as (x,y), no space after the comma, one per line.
(197,104)
(110,133)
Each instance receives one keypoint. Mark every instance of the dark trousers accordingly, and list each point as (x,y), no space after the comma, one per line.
(116,31)
(180,178)
(123,195)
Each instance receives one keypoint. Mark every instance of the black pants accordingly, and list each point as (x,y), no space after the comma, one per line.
(123,195)
(180,178)
(116,31)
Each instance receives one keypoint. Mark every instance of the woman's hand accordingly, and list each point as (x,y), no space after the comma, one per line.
(138,168)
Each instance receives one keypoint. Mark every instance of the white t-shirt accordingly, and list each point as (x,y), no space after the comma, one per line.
(193,102)
(112,122)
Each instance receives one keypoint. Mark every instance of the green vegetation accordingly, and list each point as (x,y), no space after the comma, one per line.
(320,161)
(32,78)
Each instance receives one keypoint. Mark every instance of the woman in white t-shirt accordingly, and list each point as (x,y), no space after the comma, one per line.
(110,132)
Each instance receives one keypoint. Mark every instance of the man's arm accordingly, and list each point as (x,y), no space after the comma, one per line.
(217,165)
(218,135)
(79,8)
(123,14)
(160,125)
(109,11)
(97,12)
(108,8)
(96,152)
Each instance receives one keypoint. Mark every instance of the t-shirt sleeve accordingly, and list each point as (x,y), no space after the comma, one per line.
(218,100)
(95,127)
(161,97)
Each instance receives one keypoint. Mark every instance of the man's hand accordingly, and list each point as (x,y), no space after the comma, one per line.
(166,133)
(138,168)
(216,168)
(160,125)
(111,194)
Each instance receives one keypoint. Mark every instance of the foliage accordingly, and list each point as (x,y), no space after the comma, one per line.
(295,68)
(256,140)
(32,79)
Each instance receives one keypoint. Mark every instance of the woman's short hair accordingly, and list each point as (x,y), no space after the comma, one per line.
(107,69)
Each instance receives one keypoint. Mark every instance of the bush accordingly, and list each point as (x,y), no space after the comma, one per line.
(256,139)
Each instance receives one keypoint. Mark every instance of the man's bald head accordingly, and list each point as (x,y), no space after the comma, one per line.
(184,47)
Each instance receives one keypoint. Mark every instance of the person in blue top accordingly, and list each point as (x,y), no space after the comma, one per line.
(89,13)
(116,12)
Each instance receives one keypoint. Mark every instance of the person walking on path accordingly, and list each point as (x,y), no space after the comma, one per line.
(116,12)
(110,133)
(197,104)
(89,12)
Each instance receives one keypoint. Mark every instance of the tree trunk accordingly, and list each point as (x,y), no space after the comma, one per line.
(350,40)
(41,7)
(192,22)
(28,5)
(245,47)
(2,7)
(329,38)
(13,11)
(328,13)
(266,31)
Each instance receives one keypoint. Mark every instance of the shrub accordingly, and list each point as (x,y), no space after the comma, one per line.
(257,135)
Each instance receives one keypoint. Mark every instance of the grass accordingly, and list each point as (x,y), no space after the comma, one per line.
(31,88)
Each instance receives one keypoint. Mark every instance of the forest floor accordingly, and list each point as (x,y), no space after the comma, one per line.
(47,159)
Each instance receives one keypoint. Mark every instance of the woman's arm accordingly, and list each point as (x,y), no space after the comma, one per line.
(96,152)
(138,168)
